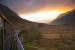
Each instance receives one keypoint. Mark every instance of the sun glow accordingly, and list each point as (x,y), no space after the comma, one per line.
(42,17)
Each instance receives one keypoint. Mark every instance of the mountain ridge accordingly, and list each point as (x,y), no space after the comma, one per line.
(57,37)
(66,18)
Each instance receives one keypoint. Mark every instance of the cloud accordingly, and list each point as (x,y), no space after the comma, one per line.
(32,3)
(28,5)
(73,1)
(1,1)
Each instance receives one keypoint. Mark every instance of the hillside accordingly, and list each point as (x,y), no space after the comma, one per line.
(13,22)
(39,36)
(60,36)
(66,18)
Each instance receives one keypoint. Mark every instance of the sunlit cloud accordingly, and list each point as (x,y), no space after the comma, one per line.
(42,17)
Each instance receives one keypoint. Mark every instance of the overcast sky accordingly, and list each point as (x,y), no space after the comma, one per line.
(22,6)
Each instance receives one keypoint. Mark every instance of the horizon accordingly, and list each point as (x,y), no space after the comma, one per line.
(25,7)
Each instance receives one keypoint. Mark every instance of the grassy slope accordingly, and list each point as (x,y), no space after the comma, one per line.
(66,41)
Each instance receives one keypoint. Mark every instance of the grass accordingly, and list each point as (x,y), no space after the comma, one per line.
(28,46)
(66,41)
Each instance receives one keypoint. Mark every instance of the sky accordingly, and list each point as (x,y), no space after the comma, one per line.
(30,9)
(24,6)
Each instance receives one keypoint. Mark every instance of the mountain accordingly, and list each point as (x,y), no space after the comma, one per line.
(12,22)
(39,36)
(65,18)
(11,16)
(14,19)
(60,36)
